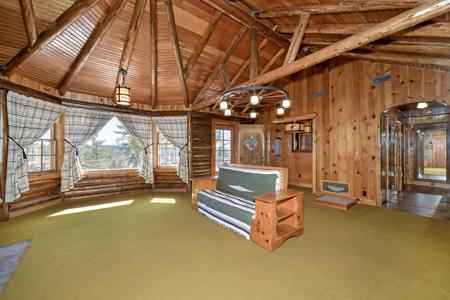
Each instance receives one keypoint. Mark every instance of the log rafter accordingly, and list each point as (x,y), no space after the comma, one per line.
(247,63)
(131,38)
(254,54)
(201,45)
(400,22)
(296,41)
(92,42)
(26,7)
(154,53)
(58,26)
(176,49)
(237,39)
(328,8)
(432,30)
(237,14)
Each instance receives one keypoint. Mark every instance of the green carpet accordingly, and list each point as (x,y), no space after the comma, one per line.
(167,251)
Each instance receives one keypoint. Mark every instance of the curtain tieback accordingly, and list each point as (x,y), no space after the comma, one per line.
(76,148)
(145,149)
(18,145)
(181,149)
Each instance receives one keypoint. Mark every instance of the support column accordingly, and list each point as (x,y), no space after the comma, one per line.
(4,208)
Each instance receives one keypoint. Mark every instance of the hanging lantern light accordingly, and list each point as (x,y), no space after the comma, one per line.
(227,112)
(253,114)
(223,105)
(254,99)
(286,103)
(280,111)
(122,93)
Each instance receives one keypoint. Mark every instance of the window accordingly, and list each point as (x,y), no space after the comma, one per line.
(41,155)
(111,148)
(168,154)
(223,147)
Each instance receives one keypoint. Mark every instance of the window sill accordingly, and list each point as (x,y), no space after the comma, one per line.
(106,172)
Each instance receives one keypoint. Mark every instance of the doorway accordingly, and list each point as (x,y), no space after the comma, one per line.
(414,159)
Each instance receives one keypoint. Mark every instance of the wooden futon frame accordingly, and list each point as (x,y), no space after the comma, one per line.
(278,215)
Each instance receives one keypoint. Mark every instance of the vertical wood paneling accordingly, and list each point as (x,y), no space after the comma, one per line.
(348,115)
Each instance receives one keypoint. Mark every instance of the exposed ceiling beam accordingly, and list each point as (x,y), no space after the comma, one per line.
(272,61)
(334,8)
(154,53)
(58,26)
(404,20)
(432,30)
(296,41)
(29,20)
(246,63)
(245,19)
(133,30)
(400,58)
(225,77)
(176,50)
(254,54)
(404,47)
(94,39)
(201,45)
(237,39)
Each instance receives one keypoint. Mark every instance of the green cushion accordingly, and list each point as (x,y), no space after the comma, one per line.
(231,211)
(242,180)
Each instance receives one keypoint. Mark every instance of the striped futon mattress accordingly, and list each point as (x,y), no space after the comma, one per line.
(230,211)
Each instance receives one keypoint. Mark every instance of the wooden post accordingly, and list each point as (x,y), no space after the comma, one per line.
(4,208)
(296,41)
(94,39)
(154,52)
(225,77)
(26,6)
(247,63)
(176,49)
(64,21)
(254,54)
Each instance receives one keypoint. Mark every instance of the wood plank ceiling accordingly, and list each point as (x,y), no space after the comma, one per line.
(193,20)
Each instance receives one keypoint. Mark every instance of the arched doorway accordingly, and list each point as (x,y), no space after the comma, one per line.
(415,158)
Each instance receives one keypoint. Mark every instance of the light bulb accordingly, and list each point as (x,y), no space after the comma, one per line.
(223,105)
(286,103)
(280,111)
(227,112)
(422,105)
(254,100)
(253,114)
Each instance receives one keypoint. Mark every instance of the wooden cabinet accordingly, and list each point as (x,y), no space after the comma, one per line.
(278,216)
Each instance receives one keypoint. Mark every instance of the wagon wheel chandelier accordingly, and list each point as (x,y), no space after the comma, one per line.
(254,97)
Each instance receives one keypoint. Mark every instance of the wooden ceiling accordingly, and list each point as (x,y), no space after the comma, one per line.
(215,31)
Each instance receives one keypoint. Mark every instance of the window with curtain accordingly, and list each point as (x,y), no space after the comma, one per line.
(223,146)
(111,148)
(41,154)
(168,154)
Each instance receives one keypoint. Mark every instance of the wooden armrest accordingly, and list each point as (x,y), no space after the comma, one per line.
(277,196)
(200,184)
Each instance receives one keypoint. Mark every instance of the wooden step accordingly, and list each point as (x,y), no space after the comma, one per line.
(20,203)
(336,202)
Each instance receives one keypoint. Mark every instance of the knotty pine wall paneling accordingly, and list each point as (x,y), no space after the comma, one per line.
(348,103)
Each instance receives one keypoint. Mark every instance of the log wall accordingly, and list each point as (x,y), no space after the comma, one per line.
(348,99)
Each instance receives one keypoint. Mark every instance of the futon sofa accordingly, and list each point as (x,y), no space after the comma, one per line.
(228,198)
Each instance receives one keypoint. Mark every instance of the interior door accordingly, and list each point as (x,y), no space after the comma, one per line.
(252,144)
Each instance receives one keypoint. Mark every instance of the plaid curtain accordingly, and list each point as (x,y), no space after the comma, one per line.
(174,129)
(81,125)
(28,120)
(140,128)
